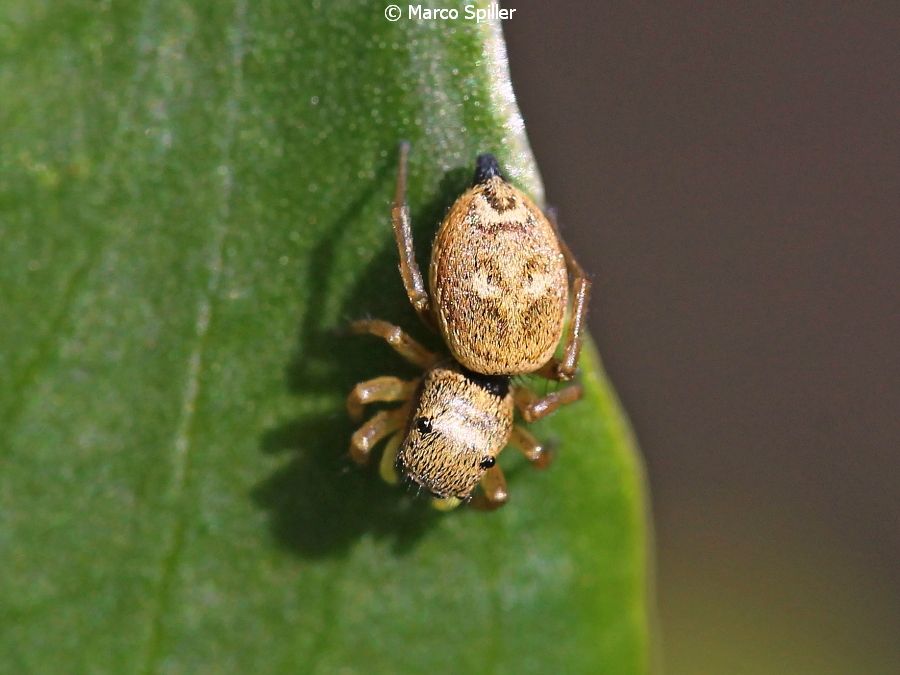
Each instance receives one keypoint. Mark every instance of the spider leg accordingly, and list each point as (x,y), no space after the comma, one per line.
(534,408)
(564,368)
(402,343)
(493,493)
(384,388)
(409,268)
(523,441)
(373,431)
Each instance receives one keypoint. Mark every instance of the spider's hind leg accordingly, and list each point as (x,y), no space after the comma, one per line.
(564,368)
(409,268)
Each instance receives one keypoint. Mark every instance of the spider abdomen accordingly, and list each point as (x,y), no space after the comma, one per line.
(498,280)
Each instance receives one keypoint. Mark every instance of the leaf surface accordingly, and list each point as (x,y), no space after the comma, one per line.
(194,200)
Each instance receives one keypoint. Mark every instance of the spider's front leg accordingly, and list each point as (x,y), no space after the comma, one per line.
(493,493)
(377,428)
(380,389)
(524,441)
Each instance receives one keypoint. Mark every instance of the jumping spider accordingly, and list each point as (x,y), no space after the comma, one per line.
(499,291)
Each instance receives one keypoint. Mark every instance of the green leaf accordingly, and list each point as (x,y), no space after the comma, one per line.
(194,201)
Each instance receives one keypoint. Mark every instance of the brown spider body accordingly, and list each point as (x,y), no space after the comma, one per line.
(498,280)
(499,288)
(460,423)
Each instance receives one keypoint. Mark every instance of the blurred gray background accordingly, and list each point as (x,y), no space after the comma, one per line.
(728,172)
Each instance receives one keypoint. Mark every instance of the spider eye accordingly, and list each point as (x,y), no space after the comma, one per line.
(423,425)
(488,462)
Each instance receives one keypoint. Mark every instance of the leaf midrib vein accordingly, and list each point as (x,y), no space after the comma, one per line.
(183,437)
